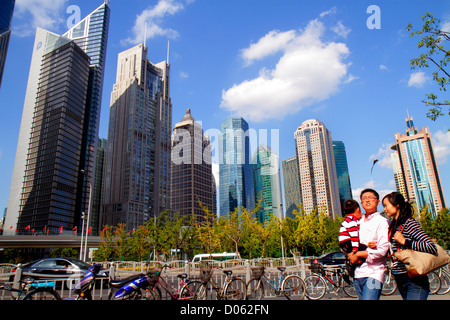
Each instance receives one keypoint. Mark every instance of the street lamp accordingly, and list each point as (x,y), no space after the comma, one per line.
(371,180)
(88,219)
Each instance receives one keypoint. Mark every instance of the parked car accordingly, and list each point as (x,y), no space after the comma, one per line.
(56,268)
(335,258)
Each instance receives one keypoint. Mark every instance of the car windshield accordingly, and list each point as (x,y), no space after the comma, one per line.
(80,263)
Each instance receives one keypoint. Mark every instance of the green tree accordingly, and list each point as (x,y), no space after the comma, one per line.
(432,41)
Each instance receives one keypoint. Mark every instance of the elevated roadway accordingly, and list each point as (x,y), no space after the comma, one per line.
(62,241)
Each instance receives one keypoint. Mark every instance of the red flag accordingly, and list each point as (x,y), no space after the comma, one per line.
(74,230)
(10,228)
(27,227)
(60,229)
(48,230)
(90,229)
(32,230)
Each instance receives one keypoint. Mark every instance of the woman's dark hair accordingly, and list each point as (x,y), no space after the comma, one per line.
(397,200)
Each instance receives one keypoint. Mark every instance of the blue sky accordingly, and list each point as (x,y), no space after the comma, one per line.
(276,63)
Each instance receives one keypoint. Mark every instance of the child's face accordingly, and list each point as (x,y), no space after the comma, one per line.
(357,213)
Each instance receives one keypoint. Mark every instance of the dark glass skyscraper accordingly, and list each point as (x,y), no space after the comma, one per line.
(236,171)
(61,114)
(136,185)
(6,13)
(343,176)
(192,178)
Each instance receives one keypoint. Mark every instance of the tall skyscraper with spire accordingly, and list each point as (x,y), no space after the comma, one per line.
(317,168)
(418,168)
(55,157)
(138,161)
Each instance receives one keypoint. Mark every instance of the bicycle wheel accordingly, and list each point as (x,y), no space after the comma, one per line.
(202,291)
(255,289)
(316,287)
(152,294)
(435,282)
(40,294)
(349,287)
(389,284)
(293,287)
(445,282)
(190,289)
(236,289)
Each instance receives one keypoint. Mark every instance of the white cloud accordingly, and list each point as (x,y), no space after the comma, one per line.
(417,79)
(441,146)
(331,11)
(341,30)
(384,156)
(47,14)
(271,43)
(309,71)
(153,16)
(383,67)
(184,75)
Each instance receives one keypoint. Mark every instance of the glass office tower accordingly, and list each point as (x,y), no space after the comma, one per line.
(236,189)
(135,177)
(192,178)
(73,194)
(343,176)
(6,13)
(291,186)
(419,168)
(266,175)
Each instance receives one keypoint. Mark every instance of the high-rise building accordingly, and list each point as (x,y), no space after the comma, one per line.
(6,14)
(291,186)
(192,178)
(67,187)
(419,168)
(98,187)
(343,176)
(236,189)
(317,168)
(266,175)
(136,166)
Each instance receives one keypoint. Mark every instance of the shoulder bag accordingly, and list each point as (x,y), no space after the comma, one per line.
(420,263)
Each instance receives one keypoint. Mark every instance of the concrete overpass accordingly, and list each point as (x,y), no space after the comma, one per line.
(18,242)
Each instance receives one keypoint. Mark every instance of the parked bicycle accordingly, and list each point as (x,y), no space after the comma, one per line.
(330,280)
(186,289)
(232,288)
(30,290)
(444,276)
(291,286)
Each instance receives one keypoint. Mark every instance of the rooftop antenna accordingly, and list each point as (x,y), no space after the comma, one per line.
(145,34)
(168,44)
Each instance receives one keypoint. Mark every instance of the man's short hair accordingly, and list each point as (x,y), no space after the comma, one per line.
(350,206)
(372,191)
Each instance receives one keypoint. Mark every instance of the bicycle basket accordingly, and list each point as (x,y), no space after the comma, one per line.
(316,267)
(205,273)
(258,272)
(153,276)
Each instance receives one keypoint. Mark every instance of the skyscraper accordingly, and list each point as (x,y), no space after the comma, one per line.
(6,13)
(266,175)
(235,169)
(419,168)
(343,176)
(317,168)
(192,178)
(66,187)
(136,166)
(291,185)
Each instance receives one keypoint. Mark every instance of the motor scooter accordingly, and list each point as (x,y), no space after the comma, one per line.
(83,289)
(137,287)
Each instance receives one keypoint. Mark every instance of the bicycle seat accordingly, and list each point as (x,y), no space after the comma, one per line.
(119,283)
(282,269)
(228,272)
(182,276)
